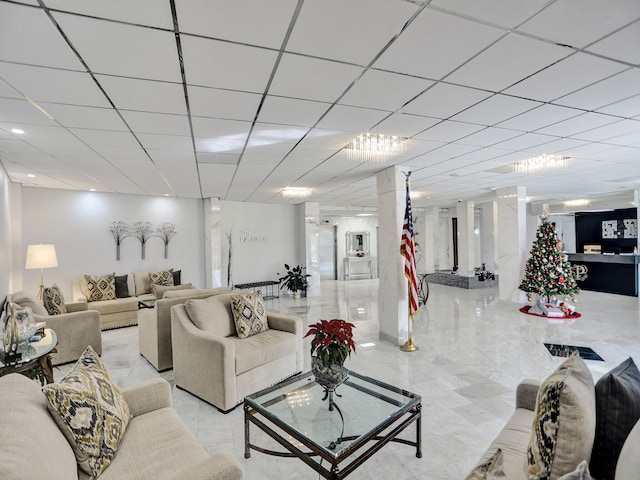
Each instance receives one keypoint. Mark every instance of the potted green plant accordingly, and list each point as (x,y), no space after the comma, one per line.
(331,345)
(295,280)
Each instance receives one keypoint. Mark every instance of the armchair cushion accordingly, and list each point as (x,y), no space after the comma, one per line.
(101,287)
(261,349)
(25,300)
(90,411)
(212,314)
(564,421)
(160,290)
(53,300)
(249,314)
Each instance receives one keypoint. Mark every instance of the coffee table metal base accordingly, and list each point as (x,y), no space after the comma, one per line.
(314,457)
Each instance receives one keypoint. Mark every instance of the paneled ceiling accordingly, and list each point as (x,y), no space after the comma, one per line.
(238,99)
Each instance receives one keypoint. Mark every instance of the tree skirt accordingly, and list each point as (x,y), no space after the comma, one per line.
(526,308)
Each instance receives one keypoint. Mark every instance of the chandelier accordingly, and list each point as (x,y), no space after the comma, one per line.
(375,148)
(540,164)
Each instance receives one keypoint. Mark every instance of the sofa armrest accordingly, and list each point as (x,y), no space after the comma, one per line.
(285,323)
(526,394)
(75,331)
(79,306)
(148,396)
(219,466)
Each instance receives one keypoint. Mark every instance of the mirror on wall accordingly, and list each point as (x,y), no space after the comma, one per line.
(357,244)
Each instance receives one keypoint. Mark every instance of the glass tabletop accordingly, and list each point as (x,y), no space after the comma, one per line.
(35,350)
(362,406)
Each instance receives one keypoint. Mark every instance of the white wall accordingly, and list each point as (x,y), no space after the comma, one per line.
(264,238)
(77,223)
(566,230)
(10,234)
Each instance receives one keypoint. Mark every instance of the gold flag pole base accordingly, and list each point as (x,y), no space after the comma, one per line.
(409,346)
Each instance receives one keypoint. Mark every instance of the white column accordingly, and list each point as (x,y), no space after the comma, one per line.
(312,243)
(488,244)
(392,292)
(511,232)
(428,242)
(213,246)
(466,243)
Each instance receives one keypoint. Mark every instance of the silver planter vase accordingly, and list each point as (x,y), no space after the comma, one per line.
(330,376)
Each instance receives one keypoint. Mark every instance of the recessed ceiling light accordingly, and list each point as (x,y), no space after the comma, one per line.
(92,189)
(579,202)
(31,175)
(166,194)
(17,131)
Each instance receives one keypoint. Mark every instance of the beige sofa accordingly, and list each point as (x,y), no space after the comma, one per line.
(154,325)
(574,444)
(120,312)
(156,444)
(217,366)
(75,330)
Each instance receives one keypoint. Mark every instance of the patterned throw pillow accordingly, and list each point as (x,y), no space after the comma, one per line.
(249,314)
(617,411)
(564,421)
(490,469)
(164,277)
(53,300)
(580,473)
(90,411)
(101,287)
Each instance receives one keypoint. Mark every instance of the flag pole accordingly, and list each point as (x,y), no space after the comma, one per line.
(409,346)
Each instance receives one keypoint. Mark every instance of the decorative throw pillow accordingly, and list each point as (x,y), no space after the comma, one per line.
(580,473)
(53,300)
(25,300)
(564,421)
(101,287)
(617,411)
(490,469)
(159,290)
(249,314)
(164,277)
(90,411)
(176,277)
(122,286)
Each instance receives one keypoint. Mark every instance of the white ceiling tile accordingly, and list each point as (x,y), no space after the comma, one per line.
(524,142)
(505,13)
(104,138)
(613,89)
(51,85)
(8,92)
(39,44)
(450,151)
(628,139)
(411,54)
(215,179)
(310,153)
(144,95)
(130,51)
(489,136)
(622,45)
(356,35)
(495,110)
(291,111)
(320,137)
(566,76)
(213,63)
(581,22)
(540,117)
(580,123)
(212,128)
(265,134)
(141,12)
(351,119)
(157,123)
(312,79)
(21,113)
(609,131)
(404,125)
(448,131)
(168,142)
(172,159)
(511,59)
(228,104)
(628,108)
(122,154)
(76,116)
(213,158)
(384,90)
(560,146)
(254,23)
(444,100)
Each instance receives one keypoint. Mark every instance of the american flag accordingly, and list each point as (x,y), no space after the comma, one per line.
(407,249)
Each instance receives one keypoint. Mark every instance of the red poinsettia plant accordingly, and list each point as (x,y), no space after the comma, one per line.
(332,341)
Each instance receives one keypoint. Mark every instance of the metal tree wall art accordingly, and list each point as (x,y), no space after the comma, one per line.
(142,231)
(165,231)
(119,230)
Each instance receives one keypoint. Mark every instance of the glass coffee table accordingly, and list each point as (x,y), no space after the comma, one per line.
(361,416)
(34,360)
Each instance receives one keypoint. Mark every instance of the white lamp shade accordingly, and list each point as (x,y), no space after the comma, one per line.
(41,256)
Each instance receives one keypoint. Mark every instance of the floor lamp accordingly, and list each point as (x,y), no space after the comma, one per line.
(41,256)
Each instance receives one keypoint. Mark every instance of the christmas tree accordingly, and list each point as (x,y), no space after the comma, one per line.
(548,271)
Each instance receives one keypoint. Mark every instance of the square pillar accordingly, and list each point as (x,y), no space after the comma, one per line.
(311,211)
(512,244)
(465,211)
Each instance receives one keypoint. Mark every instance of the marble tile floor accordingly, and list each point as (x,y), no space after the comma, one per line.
(474,349)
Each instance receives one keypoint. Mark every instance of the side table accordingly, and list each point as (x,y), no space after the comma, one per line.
(35,361)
